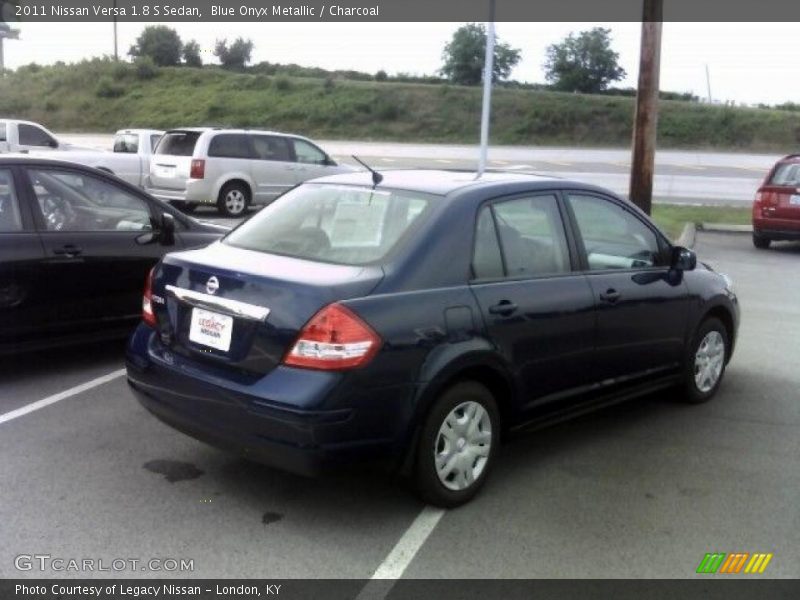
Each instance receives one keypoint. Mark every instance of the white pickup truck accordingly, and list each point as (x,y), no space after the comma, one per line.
(129,158)
(26,136)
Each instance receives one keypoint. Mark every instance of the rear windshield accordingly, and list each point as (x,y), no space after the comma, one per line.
(786,174)
(178,143)
(127,143)
(335,224)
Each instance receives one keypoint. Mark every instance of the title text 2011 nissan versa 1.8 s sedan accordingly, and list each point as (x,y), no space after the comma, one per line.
(419,316)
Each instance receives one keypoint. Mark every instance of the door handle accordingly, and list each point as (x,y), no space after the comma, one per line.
(69,250)
(610,296)
(503,308)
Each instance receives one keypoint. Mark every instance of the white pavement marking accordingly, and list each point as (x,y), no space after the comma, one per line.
(444,161)
(384,159)
(78,389)
(397,561)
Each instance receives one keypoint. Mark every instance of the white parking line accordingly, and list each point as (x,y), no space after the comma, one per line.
(29,408)
(395,564)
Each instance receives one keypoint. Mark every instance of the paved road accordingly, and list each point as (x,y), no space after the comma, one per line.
(681,176)
(641,490)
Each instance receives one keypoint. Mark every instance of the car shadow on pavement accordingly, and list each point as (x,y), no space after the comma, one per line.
(51,362)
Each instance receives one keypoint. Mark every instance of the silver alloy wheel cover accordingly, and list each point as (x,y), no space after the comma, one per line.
(708,361)
(234,201)
(462,446)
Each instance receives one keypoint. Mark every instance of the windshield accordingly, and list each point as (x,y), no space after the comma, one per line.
(339,224)
(178,143)
(786,174)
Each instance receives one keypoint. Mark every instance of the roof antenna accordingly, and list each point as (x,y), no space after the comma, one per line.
(376,177)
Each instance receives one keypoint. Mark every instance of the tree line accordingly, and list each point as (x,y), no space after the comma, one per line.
(582,62)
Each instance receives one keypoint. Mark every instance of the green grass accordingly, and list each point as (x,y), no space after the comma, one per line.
(99,95)
(672,217)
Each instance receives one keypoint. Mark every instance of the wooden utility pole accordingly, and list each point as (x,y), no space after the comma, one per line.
(646,118)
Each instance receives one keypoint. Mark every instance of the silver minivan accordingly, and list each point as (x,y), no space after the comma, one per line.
(233,168)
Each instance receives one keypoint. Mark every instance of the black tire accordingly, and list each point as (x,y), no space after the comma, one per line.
(761,242)
(693,393)
(226,205)
(428,484)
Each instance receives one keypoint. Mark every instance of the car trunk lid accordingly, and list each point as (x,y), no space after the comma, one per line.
(171,164)
(241,309)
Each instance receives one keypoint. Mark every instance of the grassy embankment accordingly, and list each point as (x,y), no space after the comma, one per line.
(672,217)
(99,96)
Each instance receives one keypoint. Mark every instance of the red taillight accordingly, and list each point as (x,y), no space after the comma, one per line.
(198,169)
(335,338)
(759,196)
(148,316)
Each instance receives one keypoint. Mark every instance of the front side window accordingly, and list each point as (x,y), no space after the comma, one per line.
(230,145)
(3,132)
(308,153)
(9,207)
(126,143)
(34,136)
(271,147)
(75,201)
(339,224)
(613,238)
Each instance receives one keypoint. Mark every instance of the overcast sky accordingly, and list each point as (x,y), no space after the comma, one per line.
(748,62)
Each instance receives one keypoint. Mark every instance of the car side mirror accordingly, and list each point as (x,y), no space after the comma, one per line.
(166,230)
(53,143)
(683,259)
(329,162)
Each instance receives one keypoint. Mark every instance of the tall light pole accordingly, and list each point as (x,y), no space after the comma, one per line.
(646,118)
(488,70)
(116,55)
(6,33)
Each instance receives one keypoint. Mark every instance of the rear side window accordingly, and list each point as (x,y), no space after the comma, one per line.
(271,147)
(126,143)
(230,145)
(9,208)
(786,174)
(34,136)
(154,139)
(523,237)
(178,143)
(336,224)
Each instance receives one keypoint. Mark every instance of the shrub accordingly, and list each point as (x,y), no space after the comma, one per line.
(145,68)
(381,75)
(282,83)
(329,85)
(106,88)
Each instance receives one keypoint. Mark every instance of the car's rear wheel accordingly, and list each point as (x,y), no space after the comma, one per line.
(761,242)
(457,445)
(233,200)
(705,365)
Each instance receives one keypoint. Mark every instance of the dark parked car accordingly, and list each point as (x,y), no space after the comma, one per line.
(419,319)
(776,209)
(75,246)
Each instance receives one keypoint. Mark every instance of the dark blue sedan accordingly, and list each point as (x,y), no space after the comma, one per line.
(420,316)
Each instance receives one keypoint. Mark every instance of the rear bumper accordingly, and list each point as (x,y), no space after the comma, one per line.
(292,419)
(777,229)
(196,190)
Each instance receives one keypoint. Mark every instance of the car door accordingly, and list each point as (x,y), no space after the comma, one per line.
(22,298)
(99,244)
(537,310)
(273,168)
(642,306)
(311,161)
(32,138)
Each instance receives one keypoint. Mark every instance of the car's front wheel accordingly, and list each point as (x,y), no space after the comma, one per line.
(233,200)
(457,445)
(706,361)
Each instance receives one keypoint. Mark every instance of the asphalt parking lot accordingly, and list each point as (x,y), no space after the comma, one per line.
(641,490)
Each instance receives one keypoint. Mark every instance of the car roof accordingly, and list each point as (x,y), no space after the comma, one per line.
(138,131)
(443,182)
(217,130)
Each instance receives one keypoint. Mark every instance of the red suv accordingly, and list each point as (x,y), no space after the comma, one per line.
(776,210)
